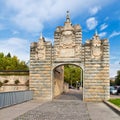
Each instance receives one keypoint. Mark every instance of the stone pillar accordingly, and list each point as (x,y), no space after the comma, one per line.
(40,69)
(58,82)
(96,78)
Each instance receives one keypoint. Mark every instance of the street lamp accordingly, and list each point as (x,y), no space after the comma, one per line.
(76,84)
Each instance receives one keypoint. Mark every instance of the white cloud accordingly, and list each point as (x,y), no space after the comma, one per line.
(14,32)
(114,67)
(16,46)
(103,34)
(28,23)
(113,57)
(91,23)
(49,39)
(114,63)
(103,26)
(31,15)
(94,10)
(114,33)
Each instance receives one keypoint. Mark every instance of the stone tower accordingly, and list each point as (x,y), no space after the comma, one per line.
(96,69)
(92,57)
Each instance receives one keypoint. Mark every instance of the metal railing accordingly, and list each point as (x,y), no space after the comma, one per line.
(14,97)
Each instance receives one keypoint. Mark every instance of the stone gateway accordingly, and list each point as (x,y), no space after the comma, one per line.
(47,60)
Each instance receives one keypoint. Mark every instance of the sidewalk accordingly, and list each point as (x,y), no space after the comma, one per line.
(9,113)
(100,111)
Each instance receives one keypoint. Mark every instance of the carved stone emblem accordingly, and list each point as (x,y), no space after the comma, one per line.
(96,49)
(40,51)
(66,47)
(66,39)
(96,52)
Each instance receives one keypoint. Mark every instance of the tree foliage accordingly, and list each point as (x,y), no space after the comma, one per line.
(11,63)
(112,83)
(72,74)
(117,78)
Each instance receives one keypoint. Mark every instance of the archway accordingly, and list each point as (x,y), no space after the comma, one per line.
(92,57)
(66,78)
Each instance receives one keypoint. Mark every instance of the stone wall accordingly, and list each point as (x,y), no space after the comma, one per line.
(40,69)
(11,77)
(96,80)
(66,87)
(58,80)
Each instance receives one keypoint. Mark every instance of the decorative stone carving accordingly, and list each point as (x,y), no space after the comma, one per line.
(96,50)
(67,46)
(67,52)
(77,50)
(67,33)
(66,36)
(57,51)
(96,43)
(40,50)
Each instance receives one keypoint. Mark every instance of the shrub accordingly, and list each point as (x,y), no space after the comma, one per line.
(6,81)
(1,84)
(17,82)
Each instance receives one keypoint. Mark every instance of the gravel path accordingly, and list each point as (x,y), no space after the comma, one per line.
(65,107)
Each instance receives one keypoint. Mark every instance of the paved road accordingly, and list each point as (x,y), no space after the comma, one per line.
(58,110)
(65,107)
(70,107)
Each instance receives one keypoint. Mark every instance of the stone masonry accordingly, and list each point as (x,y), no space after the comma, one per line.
(92,57)
(11,77)
(58,75)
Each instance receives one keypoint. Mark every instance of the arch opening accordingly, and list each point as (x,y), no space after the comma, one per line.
(68,80)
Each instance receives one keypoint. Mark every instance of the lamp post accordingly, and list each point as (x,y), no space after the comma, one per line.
(76,84)
(70,80)
(81,77)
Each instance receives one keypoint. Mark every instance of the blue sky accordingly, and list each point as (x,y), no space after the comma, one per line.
(22,21)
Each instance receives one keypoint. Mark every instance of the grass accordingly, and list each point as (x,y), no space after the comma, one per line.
(115,101)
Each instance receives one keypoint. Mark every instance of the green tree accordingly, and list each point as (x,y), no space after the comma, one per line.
(1,55)
(11,63)
(8,55)
(72,74)
(117,78)
(112,83)
(2,61)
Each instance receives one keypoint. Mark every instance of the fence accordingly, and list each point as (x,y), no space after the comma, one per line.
(15,97)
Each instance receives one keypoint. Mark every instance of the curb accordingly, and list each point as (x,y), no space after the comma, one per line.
(113,107)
